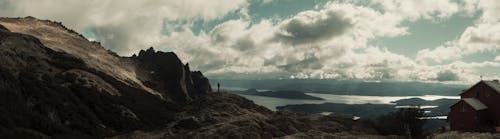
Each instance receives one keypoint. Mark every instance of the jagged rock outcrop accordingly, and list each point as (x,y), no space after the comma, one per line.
(164,71)
(200,84)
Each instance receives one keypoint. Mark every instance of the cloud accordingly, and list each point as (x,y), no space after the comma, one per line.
(229,31)
(481,37)
(333,43)
(310,61)
(243,44)
(312,26)
(418,9)
(447,75)
(490,9)
(497,58)
(440,54)
(323,40)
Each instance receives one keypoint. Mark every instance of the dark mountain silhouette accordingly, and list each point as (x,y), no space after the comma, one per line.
(56,83)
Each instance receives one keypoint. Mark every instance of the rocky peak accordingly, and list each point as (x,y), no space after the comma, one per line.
(201,83)
(165,72)
(147,53)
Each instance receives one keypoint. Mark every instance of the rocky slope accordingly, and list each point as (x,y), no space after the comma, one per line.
(233,117)
(56,83)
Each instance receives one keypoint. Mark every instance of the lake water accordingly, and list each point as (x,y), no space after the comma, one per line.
(272,102)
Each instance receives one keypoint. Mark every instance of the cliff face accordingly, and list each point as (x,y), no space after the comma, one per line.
(163,71)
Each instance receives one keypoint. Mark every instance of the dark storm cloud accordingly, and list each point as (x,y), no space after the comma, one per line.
(306,28)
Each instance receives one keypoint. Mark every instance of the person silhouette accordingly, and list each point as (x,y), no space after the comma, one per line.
(218,87)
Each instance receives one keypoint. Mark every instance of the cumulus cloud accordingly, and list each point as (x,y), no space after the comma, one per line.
(483,36)
(497,58)
(310,61)
(324,34)
(489,9)
(440,54)
(417,9)
(244,44)
(311,26)
(333,44)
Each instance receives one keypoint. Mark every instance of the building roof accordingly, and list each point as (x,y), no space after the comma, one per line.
(476,104)
(495,84)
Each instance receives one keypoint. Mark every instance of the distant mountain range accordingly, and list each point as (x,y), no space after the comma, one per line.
(344,87)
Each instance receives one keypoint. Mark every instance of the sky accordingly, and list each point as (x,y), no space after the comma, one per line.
(447,41)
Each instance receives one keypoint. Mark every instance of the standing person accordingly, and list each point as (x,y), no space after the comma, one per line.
(218,87)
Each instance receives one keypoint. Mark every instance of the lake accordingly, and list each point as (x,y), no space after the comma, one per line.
(272,102)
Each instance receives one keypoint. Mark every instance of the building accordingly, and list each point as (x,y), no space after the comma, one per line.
(478,108)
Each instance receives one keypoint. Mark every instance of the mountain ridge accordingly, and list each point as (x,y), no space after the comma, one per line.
(58,38)
(56,76)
